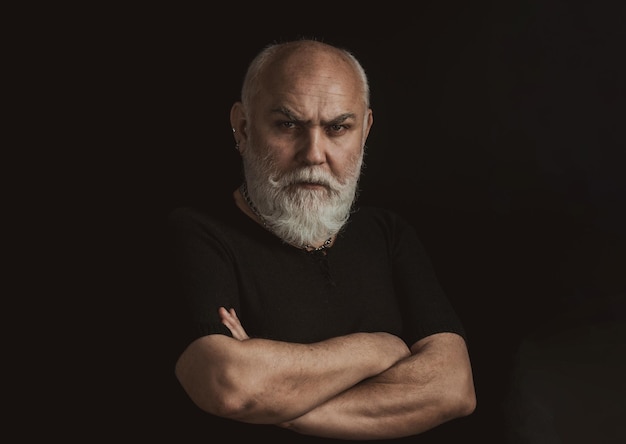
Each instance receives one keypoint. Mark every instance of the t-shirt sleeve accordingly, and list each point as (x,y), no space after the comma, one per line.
(425,306)
(202,277)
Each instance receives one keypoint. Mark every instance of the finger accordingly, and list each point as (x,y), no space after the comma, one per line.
(223,313)
(231,321)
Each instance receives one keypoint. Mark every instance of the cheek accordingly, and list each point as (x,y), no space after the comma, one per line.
(282,159)
(283,154)
(347,167)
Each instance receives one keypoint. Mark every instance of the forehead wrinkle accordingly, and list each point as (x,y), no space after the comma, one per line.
(325,87)
(321,89)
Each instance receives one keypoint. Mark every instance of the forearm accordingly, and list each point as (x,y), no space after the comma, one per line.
(264,381)
(431,387)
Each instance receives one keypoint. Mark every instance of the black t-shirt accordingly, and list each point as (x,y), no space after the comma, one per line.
(375,277)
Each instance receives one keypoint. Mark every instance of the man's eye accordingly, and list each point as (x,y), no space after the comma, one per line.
(288,125)
(337,128)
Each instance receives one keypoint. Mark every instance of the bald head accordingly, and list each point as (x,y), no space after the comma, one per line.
(280,63)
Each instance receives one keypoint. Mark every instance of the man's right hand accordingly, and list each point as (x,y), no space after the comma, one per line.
(230,320)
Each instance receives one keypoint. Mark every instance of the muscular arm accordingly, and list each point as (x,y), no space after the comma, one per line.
(432,386)
(265,381)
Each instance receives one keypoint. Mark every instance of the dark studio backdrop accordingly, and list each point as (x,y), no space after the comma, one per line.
(498,131)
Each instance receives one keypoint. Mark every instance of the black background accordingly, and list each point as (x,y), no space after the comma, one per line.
(498,131)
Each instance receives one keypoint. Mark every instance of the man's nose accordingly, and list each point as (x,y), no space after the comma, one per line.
(312,148)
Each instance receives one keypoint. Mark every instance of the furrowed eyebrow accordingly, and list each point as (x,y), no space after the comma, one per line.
(291,116)
(286,112)
(340,119)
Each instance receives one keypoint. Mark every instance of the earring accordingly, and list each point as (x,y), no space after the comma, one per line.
(236,141)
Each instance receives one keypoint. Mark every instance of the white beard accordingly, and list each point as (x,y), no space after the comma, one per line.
(297,215)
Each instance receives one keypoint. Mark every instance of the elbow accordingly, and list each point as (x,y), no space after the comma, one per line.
(220,402)
(242,406)
(467,405)
(456,405)
(462,401)
(210,388)
(226,393)
(458,399)
(228,404)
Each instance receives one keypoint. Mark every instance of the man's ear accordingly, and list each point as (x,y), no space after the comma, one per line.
(238,124)
(369,121)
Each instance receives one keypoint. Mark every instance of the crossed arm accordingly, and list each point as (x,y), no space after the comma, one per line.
(358,386)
